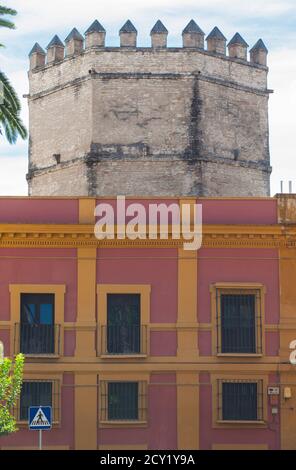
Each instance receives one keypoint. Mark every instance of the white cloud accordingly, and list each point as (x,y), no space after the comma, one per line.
(55,14)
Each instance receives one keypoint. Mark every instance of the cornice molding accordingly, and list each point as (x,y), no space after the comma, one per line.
(82,236)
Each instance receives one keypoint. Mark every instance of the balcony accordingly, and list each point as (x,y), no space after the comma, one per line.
(124,340)
(37,340)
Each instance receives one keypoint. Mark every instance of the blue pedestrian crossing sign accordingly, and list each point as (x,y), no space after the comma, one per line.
(40,418)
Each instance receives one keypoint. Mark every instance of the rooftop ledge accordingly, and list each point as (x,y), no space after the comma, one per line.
(153,51)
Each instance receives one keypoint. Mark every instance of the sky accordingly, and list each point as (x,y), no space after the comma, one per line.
(272,20)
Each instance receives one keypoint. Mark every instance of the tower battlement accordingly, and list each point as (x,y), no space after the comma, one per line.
(192,35)
(161,120)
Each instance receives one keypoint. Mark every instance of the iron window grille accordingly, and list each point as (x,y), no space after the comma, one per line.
(239,322)
(123,401)
(240,400)
(38,393)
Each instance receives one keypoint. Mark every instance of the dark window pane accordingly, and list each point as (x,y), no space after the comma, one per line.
(123,401)
(238,323)
(37,324)
(34,394)
(239,401)
(123,323)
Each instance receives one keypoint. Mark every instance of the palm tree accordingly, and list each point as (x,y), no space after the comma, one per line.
(4,23)
(10,106)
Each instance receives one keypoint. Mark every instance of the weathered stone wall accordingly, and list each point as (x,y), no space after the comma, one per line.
(62,179)
(149,122)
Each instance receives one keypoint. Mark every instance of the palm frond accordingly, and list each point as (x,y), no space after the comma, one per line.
(6,24)
(10,119)
(7,11)
(12,124)
(9,93)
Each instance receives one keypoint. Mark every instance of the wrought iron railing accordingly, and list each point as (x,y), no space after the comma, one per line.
(123,340)
(37,340)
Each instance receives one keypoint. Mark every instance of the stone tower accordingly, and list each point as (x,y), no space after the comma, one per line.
(150,121)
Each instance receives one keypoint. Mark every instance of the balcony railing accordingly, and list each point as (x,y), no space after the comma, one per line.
(37,340)
(123,340)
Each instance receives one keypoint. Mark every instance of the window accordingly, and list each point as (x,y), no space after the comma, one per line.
(123,401)
(124,313)
(240,400)
(37,328)
(34,394)
(239,327)
(123,324)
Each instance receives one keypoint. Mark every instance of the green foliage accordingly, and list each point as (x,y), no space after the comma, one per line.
(11,376)
(10,120)
(4,22)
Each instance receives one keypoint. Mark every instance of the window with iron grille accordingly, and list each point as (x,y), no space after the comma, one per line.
(37,327)
(123,324)
(38,393)
(240,400)
(239,322)
(123,401)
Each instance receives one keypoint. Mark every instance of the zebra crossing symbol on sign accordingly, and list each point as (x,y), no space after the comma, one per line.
(40,418)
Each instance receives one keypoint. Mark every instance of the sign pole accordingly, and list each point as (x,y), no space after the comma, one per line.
(40,419)
(40,439)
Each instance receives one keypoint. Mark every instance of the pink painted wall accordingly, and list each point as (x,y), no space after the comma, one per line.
(159,268)
(161,432)
(144,202)
(64,210)
(38,266)
(162,412)
(163,343)
(122,436)
(269,435)
(62,435)
(156,267)
(239,265)
(222,211)
(239,211)
(39,211)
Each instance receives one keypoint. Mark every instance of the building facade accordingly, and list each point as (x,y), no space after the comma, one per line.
(143,345)
(149,121)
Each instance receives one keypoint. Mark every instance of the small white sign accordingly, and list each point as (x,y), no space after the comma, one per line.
(273,390)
